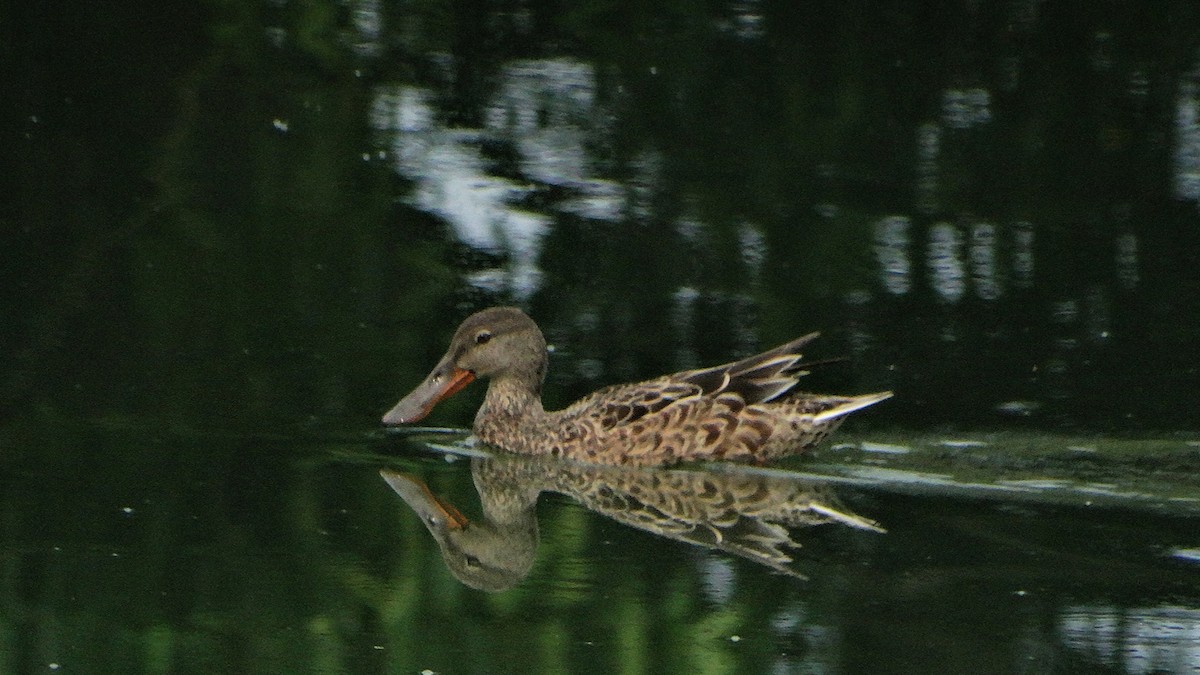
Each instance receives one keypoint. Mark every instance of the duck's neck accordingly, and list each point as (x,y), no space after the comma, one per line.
(510,401)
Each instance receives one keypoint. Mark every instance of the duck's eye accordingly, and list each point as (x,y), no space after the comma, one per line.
(483,337)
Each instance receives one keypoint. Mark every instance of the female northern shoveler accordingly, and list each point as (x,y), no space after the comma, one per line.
(740,411)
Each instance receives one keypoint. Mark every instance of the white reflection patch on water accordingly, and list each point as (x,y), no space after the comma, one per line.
(1187,141)
(546,107)
(1191,555)
(402,109)
(944,257)
(955,443)
(1065,344)
(983,261)
(1018,408)
(753,248)
(745,22)
(1064,311)
(1162,639)
(717,579)
(884,448)
(690,228)
(1037,483)
(368,27)
(451,180)
(891,252)
(553,156)
(596,200)
(548,92)
(966,108)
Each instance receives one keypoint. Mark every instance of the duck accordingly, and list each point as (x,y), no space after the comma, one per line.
(745,411)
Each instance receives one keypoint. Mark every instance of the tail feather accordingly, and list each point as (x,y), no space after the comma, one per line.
(852,404)
(757,378)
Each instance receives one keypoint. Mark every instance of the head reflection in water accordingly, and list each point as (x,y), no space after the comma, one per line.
(748,514)
(491,554)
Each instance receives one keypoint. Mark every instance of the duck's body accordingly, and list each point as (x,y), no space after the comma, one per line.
(740,411)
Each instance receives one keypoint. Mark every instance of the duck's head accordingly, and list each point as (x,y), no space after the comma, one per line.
(496,343)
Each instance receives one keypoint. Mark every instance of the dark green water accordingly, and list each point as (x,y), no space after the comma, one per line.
(235,234)
(128,551)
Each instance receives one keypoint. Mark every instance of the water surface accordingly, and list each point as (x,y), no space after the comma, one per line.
(137,550)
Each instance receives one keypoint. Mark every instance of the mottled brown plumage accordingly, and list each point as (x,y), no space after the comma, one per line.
(739,411)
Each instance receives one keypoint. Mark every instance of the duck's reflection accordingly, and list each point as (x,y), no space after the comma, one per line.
(750,514)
